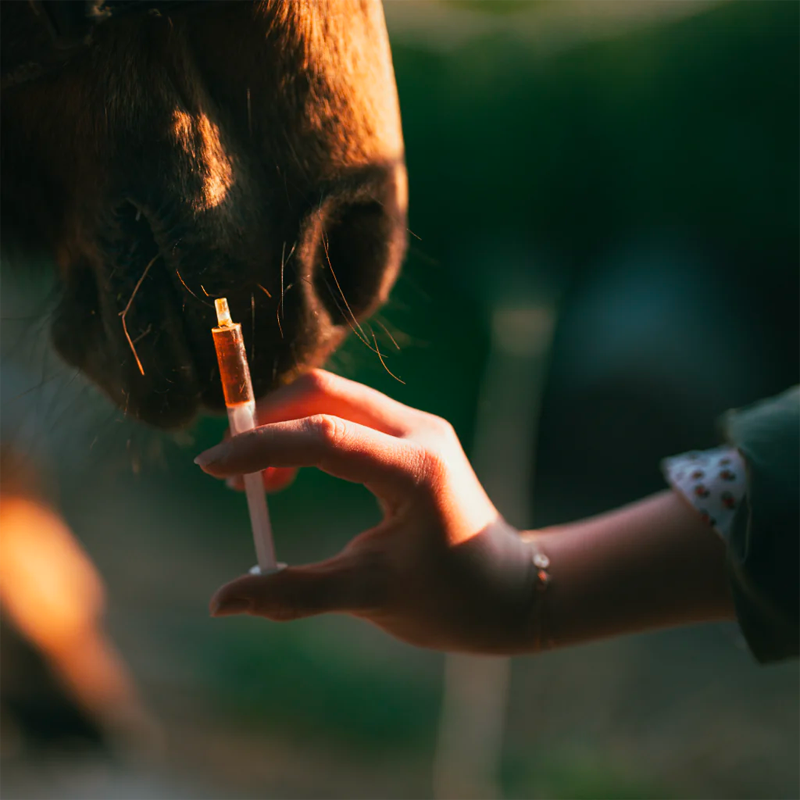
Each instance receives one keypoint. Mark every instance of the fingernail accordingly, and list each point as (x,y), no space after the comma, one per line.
(234,605)
(210,456)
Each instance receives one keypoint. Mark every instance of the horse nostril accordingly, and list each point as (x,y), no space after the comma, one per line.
(357,259)
(130,233)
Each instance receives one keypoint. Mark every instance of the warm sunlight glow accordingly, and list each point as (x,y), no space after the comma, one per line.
(200,138)
(52,592)
(47,584)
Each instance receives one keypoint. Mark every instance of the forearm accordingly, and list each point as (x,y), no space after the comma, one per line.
(649,565)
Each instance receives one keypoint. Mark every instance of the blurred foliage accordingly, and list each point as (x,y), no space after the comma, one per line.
(495,6)
(577,777)
(319,693)
(690,127)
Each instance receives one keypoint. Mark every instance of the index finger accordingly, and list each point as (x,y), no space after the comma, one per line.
(388,466)
(322,392)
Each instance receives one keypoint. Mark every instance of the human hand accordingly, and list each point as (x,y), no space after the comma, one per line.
(441,570)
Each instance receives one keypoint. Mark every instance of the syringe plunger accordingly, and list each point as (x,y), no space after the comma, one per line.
(223,312)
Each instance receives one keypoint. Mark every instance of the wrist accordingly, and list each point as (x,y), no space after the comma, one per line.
(498,583)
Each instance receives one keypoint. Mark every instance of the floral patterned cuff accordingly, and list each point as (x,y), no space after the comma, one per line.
(713,481)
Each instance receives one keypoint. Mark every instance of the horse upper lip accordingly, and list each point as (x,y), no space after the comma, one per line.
(191,275)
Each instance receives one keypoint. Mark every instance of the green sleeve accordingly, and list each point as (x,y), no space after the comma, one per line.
(764,551)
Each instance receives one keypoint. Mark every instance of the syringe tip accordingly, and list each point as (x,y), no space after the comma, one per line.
(223,312)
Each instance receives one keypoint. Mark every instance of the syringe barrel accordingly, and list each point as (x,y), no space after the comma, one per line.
(242,417)
(234,370)
(240,402)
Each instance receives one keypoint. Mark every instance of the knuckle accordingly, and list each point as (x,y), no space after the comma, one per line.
(437,429)
(416,461)
(433,468)
(445,430)
(330,430)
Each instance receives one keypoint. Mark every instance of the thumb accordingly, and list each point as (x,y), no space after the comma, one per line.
(336,585)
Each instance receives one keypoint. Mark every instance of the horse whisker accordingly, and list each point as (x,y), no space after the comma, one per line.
(359,332)
(359,336)
(279,309)
(386,331)
(338,286)
(378,351)
(185,286)
(280,305)
(252,326)
(124,313)
(143,333)
(249,114)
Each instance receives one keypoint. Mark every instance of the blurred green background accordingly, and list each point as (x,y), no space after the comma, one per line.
(625,176)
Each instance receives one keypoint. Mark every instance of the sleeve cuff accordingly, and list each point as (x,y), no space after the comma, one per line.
(712,481)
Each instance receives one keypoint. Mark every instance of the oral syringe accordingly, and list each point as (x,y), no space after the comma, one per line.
(240,402)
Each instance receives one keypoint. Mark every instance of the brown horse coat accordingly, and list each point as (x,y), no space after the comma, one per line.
(245,149)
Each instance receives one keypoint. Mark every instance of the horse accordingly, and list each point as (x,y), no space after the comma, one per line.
(163,154)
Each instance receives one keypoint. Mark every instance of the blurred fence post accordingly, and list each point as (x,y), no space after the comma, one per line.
(472,724)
